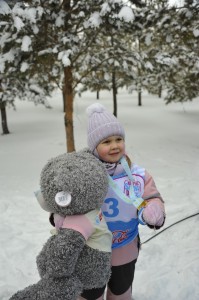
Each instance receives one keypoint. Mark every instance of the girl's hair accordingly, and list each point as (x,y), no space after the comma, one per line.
(128,160)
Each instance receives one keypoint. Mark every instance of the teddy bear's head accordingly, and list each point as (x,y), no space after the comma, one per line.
(73,183)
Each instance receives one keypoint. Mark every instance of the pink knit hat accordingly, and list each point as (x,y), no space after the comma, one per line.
(101,125)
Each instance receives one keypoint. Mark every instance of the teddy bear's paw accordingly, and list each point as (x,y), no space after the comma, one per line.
(63,288)
(28,293)
(60,253)
(50,289)
(96,268)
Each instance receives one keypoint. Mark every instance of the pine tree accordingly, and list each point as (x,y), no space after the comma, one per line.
(60,33)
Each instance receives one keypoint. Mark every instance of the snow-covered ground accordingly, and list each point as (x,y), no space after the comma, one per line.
(163,139)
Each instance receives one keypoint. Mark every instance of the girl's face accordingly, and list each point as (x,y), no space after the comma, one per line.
(111,149)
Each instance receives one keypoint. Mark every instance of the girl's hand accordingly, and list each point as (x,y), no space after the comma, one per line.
(154,214)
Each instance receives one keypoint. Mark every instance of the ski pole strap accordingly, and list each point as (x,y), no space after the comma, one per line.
(126,168)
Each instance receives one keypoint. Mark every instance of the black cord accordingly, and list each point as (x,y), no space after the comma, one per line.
(169,227)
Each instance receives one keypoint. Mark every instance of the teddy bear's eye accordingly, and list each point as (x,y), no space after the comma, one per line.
(63,198)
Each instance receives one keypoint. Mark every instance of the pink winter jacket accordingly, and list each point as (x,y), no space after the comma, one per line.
(148,191)
(144,187)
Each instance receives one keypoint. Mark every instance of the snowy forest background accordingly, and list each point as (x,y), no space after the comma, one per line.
(95,45)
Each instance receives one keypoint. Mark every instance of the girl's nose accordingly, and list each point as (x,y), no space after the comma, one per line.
(113,145)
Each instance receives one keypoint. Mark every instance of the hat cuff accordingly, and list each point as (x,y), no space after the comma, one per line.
(98,135)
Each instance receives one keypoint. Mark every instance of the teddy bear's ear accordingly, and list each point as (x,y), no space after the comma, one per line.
(63,199)
(85,150)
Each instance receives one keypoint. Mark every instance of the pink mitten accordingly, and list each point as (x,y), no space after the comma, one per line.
(153,213)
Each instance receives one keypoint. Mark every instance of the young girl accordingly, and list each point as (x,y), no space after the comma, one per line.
(132,199)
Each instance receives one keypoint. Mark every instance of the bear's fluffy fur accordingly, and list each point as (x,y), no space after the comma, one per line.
(66,264)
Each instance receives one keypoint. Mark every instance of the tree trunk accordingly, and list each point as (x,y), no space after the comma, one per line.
(160,91)
(68,89)
(114,88)
(68,104)
(63,98)
(4,118)
(139,98)
(97,95)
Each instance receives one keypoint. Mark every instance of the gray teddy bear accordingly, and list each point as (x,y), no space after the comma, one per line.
(78,255)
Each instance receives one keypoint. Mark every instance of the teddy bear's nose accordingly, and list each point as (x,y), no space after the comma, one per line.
(63,198)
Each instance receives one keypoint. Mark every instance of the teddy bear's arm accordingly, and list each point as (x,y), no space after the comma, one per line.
(59,255)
